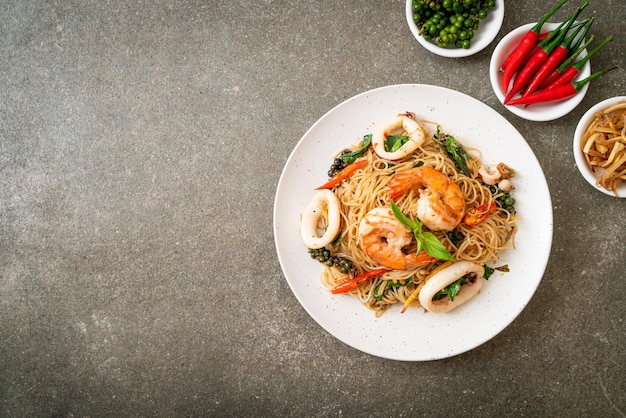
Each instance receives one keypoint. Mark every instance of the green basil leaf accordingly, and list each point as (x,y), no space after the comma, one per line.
(395,142)
(488,272)
(455,150)
(459,155)
(420,243)
(434,247)
(425,240)
(352,156)
(455,237)
(378,295)
(337,240)
(412,225)
(451,290)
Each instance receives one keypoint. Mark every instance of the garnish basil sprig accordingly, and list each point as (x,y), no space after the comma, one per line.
(351,157)
(454,150)
(425,240)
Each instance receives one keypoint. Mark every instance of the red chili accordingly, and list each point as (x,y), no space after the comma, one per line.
(541,37)
(536,61)
(526,45)
(558,93)
(565,64)
(352,284)
(517,56)
(556,57)
(571,72)
(478,214)
(523,77)
(343,174)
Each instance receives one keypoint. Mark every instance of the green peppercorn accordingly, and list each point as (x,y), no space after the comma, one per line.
(450,23)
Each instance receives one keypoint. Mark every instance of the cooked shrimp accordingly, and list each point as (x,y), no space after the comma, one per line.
(323,206)
(402,124)
(383,238)
(441,204)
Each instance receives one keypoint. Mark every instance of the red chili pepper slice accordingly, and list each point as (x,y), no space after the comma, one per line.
(352,284)
(343,174)
(478,214)
(526,45)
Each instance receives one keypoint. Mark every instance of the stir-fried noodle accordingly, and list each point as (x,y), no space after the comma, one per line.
(368,188)
(604,145)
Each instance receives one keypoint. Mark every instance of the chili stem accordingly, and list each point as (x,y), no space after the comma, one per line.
(523,77)
(565,64)
(556,57)
(526,45)
(571,72)
(542,40)
(544,19)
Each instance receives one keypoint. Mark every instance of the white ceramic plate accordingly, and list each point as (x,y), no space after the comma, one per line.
(584,169)
(486,33)
(415,335)
(538,112)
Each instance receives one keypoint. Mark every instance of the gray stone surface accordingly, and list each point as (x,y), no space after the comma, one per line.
(140,148)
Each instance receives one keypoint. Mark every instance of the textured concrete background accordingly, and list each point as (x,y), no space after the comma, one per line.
(140,148)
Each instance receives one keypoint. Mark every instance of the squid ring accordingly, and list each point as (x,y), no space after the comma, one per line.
(324,202)
(446,277)
(407,124)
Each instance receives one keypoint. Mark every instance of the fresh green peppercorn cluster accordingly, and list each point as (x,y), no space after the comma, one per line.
(323,256)
(504,200)
(450,23)
(338,164)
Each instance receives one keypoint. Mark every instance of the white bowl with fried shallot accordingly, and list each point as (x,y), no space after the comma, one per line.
(600,146)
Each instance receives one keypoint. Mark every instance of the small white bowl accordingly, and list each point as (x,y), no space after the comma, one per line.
(584,169)
(486,33)
(537,112)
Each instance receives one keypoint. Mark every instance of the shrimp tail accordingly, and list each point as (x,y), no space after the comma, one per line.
(419,260)
(400,184)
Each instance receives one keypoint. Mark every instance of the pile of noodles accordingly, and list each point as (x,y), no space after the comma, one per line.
(367,189)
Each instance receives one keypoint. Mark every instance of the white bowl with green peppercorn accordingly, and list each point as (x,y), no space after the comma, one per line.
(449,34)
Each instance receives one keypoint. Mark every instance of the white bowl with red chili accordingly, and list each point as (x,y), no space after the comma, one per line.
(553,106)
